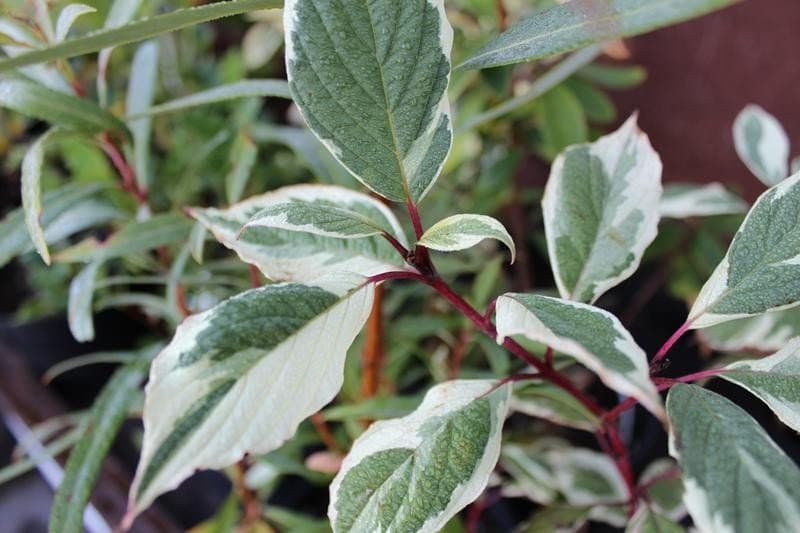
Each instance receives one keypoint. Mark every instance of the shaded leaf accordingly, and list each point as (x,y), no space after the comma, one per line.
(460,232)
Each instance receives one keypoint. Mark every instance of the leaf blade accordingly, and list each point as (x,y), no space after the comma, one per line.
(762,144)
(460,232)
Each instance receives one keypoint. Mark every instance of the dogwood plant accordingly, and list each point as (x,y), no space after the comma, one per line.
(371,81)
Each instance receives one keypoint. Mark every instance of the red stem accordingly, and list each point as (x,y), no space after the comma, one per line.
(402,250)
(416,221)
(662,353)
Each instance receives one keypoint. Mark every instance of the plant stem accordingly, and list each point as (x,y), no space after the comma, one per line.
(124,170)
(402,250)
(372,354)
(662,353)
(325,433)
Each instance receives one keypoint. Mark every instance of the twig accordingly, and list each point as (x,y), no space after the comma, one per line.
(325,433)
(372,354)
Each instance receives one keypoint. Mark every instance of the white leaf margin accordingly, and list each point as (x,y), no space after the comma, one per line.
(773,145)
(445,235)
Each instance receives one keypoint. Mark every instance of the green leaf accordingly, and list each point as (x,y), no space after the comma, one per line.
(664,488)
(648,521)
(544,400)
(100,429)
(141,89)
(373,408)
(85,360)
(615,77)
(326,211)
(762,144)
(736,477)
(371,81)
(766,333)
(562,121)
(557,519)
(32,191)
(761,271)
(417,472)
(221,93)
(774,379)
(299,256)
(68,16)
(57,108)
(137,31)
(685,200)
(460,232)
(591,335)
(601,211)
(243,156)
(14,237)
(578,23)
(79,305)
(274,355)
(532,473)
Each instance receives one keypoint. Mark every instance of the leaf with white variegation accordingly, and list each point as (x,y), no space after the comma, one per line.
(766,333)
(296,255)
(601,211)
(774,379)
(663,488)
(762,144)
(736,477)
(545,400)
(648,521)
(68,16)
(761,271)
(460,232)
(325,211)
(141,90)
(79,305)
(371,78)
(417,472)
(591,335)
(240,377)
(684,200)
(532,473)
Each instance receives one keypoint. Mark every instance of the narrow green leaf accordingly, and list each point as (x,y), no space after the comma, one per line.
(32,192)
(601,211)
(685,200)
(774,379)
(544,400)
(766,333)
(591,335)
(137,31)
(612,76)
(100,428)
(578,23)
(460,232)
(562,121)
(53,449)
(57,108)
(141,88)
(275,353)
(293,255)
(415,473)
(373,409)
(79,305)
(222,93)
(68,16)
(371,81)
(762,144)
(120,13)
(761,271)
(736,477)
(243,156)
(81,361)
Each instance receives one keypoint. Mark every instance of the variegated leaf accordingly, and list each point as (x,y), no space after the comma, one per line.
(371,80)
(532,473)
(460,232)
(766,333)
(684,200)
(664,488)
(774,379)
(326,211)
(68,16)
(762,144)
(544,400)
(417,472)
(601,211)
(591,335)
(761,271)
(240,377)
(648,521)
(736,477)
(285,255)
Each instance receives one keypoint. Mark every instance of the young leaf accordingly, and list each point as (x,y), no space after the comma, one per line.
(601,211)
(57,108)
(221,93)
(685,200)
(371,81)
(79,305)
(326,211)
(736,477)
(766,333)
(460,232)
(32,192)
(300,256)
(137,31)
(762,144)
(99,431)
(240,378)
(544,400)
(417,472)
(243,156)
(761,271)
(68,16)
(578,23)
(141,88)
(774,379)
(591,335)
(648,521)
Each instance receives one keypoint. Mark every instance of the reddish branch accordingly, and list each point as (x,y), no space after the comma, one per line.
(124,170)
(249,498)
(325,433)
(372,354)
